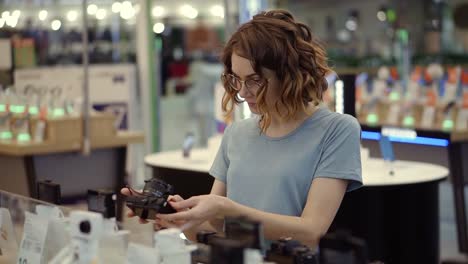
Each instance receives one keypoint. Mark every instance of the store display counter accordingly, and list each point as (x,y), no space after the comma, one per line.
(60,158)
(397,214)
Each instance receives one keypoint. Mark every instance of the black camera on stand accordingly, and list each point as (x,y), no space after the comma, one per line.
(288,251)
(152,200)
(240,234)
(102,201)
(342,247)
(49,191)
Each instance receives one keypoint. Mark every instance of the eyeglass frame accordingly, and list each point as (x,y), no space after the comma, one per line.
(243,83)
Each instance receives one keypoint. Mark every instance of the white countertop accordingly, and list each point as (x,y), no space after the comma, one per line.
(375,172)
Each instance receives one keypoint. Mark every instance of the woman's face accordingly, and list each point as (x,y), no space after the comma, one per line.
(243,71)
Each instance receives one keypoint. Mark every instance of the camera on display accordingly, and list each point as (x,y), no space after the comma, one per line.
(48,191)
(288,251)
(343,247)
(102,201)
(152,200)
(240,234)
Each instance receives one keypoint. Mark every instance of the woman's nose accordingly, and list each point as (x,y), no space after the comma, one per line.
(243,92)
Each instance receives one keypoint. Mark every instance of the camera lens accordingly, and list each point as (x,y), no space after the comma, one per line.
(85,227)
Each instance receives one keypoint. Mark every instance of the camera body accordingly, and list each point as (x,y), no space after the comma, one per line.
(48,191)
(86,228)
(152,200)
(101,201)
(288,251)
(241,235)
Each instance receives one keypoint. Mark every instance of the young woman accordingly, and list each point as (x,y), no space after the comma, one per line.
(289,166)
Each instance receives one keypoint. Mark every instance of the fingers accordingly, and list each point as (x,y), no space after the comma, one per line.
(175,198)
(184,204)
(166,224)
(125,191)
(179,216)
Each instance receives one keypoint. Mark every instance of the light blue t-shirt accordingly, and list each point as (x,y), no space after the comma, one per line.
(275,174)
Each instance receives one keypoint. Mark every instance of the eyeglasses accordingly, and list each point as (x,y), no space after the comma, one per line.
(252,85)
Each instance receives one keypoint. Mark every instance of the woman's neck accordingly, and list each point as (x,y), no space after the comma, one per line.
(280,127)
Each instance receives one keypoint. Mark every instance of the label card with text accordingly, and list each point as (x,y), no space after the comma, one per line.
(34,236)
(8,243)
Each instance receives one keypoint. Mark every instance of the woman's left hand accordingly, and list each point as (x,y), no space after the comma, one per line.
(195,211)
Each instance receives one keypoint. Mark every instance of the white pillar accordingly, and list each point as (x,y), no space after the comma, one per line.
(146,64)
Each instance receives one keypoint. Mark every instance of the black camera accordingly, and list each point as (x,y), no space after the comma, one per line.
(240,234)
(288,251)
(48,191)
(342,247)
(152,200)
(247,231)
(102,201)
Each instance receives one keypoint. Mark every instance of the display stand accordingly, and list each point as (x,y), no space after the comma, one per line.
(23,164)
(456,143)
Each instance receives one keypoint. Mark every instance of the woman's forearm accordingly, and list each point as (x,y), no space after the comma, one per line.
(276,226)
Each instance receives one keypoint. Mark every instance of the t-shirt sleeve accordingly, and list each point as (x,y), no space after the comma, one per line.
(341,155)
(220,165)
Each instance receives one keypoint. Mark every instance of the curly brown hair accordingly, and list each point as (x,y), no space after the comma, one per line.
(276,41)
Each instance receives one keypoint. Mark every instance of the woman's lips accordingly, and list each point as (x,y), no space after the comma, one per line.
(251,104)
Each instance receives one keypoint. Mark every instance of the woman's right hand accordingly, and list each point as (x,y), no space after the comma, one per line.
(158,222)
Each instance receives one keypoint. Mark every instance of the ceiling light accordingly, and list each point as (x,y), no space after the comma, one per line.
(127,11)
(5,14)
(11,21)
(116,7)
(189,11)
(72,15)
(56,24)
(217,11)
(42,15)
(101,14)
(158,28)
(92,9)
(158,11)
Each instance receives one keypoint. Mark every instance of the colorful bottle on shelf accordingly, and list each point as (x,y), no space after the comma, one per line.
(21,120)
(5,118)
(462,116)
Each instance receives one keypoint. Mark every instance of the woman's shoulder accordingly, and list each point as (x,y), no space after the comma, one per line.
(327,119)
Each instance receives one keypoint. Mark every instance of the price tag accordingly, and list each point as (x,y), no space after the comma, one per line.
(8,243)
(393,114)
(462,119)
(428,117)
(34,236)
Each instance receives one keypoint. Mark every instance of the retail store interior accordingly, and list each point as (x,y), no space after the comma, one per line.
(96,95)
